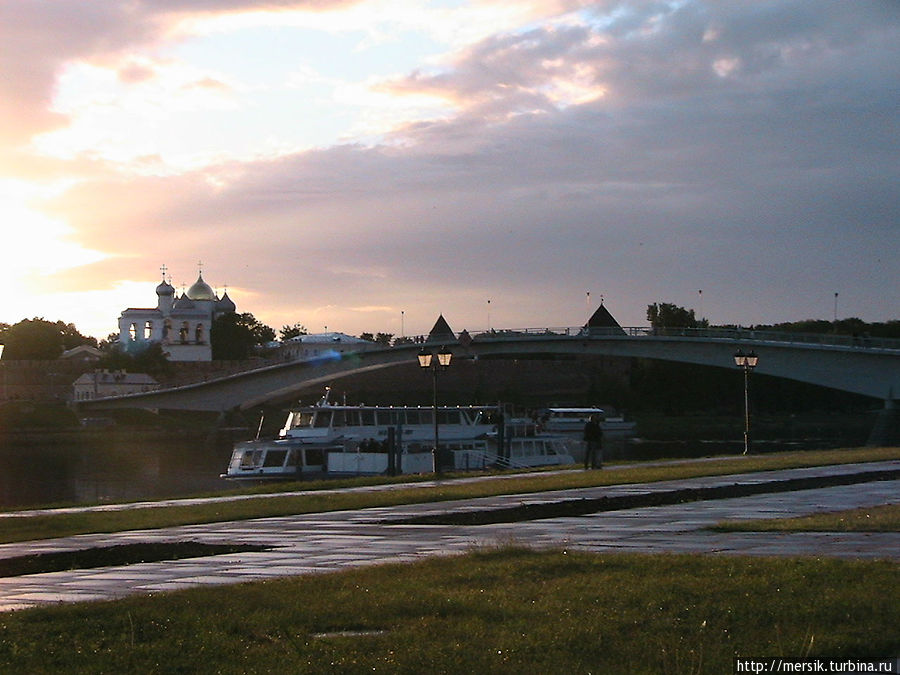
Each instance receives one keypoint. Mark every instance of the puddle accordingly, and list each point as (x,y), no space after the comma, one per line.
(124,554)
(586,506)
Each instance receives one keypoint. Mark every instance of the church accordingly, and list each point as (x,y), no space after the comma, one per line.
(180,324)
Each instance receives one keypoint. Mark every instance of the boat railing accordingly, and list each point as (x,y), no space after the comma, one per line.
(510,463)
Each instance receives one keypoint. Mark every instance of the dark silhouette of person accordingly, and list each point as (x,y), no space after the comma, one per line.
(593,438)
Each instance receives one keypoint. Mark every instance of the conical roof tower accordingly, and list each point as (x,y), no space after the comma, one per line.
(602,322)
(441,333)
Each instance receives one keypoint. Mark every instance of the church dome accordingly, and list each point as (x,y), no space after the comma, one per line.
(226,304)
(201,290)
(165,289)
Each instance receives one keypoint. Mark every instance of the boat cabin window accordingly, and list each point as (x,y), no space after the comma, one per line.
(251,458)
(338,418)
(301,419)
(367,417)
(275,458)
(412,417)
(323,419)
(315,457)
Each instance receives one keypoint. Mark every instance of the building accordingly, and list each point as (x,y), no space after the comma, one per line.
(181,324)
(102,383)
(82,354)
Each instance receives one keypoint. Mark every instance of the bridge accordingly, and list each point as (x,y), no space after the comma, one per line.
(868,366)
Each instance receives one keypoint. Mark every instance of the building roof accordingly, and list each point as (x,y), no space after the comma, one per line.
(184,302)
(201,290)
(602,319)
(86,352)
(441,331)
(225,304)
(165,288)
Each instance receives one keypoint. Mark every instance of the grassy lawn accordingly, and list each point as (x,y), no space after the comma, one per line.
(65,524)
(506,610)
(885,518)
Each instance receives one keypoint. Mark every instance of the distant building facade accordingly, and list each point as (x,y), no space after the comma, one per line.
(181,325)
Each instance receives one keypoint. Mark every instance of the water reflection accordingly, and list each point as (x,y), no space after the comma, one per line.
(108,466)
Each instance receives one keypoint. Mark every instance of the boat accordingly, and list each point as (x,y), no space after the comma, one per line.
(516,452)
(328,439)
(617,431)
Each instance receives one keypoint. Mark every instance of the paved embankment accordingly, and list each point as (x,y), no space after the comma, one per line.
(322,542)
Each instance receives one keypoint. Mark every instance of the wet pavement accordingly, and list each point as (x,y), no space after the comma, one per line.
(324,542)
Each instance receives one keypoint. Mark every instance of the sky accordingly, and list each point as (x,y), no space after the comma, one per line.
(366,165)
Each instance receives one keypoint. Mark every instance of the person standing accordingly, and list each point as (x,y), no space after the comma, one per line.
(593,438)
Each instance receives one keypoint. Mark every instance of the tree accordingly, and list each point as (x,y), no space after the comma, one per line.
(135,357)
(368,337)
(288,332)
(667,315)
(233,336)
(39,339)
(384,339)
(72,337)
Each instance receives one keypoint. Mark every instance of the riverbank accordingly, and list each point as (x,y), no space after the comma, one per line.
(326,496)
(572,600)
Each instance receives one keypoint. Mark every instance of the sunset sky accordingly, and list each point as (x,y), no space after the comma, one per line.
(366,165)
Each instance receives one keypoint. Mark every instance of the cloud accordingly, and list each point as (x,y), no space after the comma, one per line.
(43,37)
(639,150)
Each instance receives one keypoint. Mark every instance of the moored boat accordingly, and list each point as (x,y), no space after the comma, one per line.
(332,440)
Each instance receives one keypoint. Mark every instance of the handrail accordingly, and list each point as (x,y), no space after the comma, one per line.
(738,334)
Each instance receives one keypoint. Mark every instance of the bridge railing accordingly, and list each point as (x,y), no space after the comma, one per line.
(736,334)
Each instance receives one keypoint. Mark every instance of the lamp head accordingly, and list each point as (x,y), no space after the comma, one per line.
(743,360)
(424,357)
(444,357)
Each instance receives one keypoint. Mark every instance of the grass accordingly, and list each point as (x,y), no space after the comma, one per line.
(884,518)
(65,524)
(506,610)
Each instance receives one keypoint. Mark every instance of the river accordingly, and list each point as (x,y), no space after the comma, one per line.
(115,465)
(108,466)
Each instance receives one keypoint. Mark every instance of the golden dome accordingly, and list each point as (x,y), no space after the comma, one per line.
(201,290)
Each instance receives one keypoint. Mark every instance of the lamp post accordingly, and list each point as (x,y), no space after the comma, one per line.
(747,362)
(427,361)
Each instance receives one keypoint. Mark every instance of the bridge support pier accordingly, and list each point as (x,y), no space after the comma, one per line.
(886,430)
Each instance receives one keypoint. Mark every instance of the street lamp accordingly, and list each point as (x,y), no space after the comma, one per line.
(427,360)
(747,362)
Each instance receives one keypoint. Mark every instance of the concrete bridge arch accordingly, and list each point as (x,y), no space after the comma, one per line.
(870,367)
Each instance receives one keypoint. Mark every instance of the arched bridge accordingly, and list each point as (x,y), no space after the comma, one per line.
(860,365)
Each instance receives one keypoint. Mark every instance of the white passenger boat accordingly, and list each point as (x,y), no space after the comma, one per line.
(571,422)
(518,452)
(333,440)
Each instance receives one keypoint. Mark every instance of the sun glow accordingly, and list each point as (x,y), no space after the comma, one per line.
(34,247)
